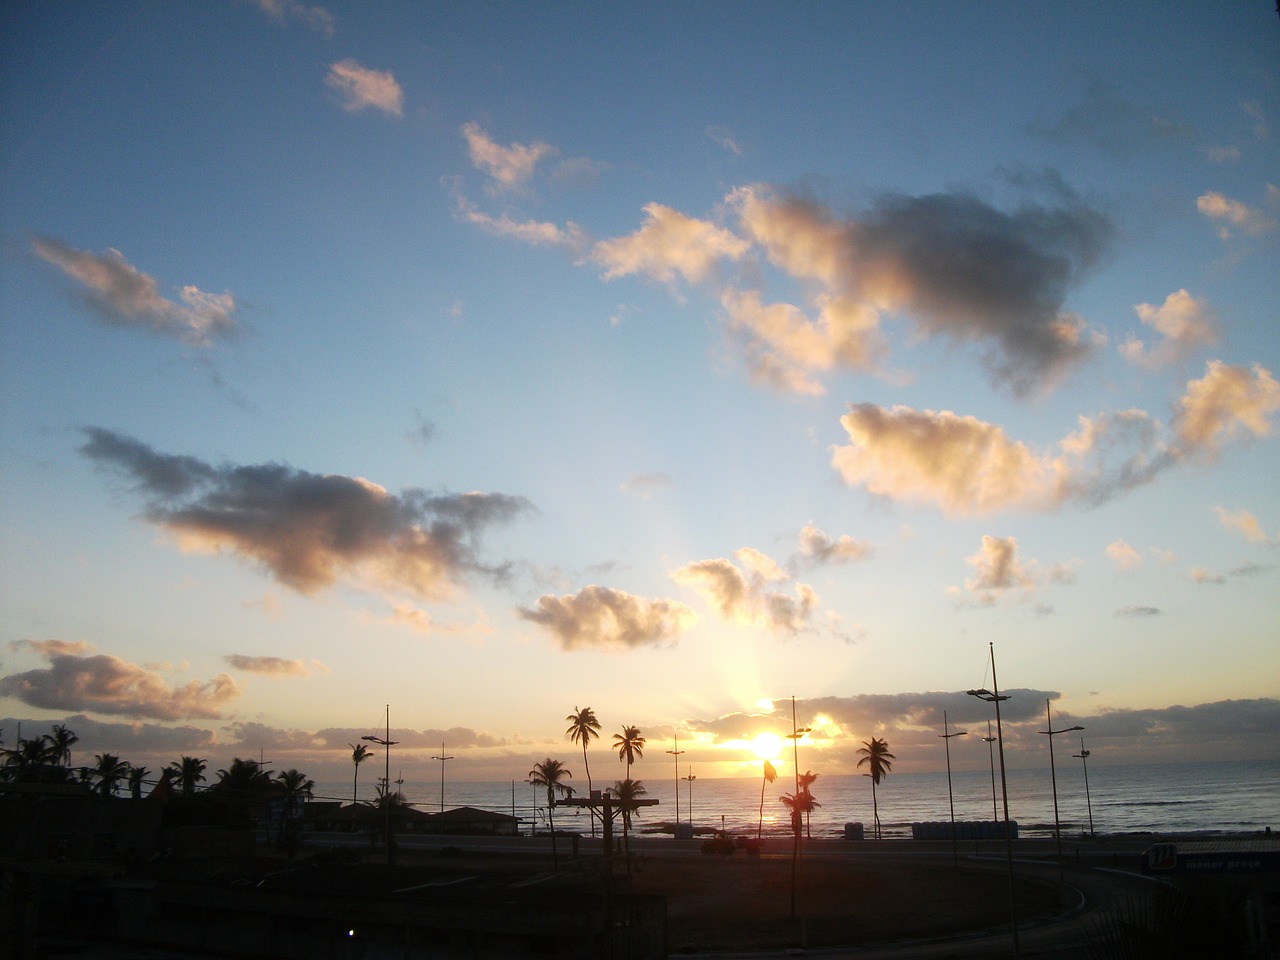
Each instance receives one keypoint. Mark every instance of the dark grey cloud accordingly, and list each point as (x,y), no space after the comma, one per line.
(973,272)
(106,684)
(1139,612)
(309,529)
(1108,121)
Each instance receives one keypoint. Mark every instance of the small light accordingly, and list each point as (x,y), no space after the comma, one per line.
(351,933)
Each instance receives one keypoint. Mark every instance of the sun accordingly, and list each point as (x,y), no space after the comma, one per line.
(767,746)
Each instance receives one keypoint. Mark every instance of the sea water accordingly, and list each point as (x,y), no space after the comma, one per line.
(1149,798)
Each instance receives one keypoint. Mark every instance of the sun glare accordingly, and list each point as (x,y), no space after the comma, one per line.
(767,746)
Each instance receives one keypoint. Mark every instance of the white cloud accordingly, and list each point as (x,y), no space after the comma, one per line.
(317,18)
(510,167)
(1183,322)
(608,619)
(1123,555)
(123,295)
(1244,523)
(743,594)
(1233,213)
(359,87)
(666,244)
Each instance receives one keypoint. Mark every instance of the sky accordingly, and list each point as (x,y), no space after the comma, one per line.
(461,365)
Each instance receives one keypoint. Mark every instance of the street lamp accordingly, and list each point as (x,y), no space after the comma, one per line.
(442,758)
(1051,733)
(989,740)
(946,740)
(794,736)
(1083,757)
(993,696)
(388,743)
(689,780)
(675,737)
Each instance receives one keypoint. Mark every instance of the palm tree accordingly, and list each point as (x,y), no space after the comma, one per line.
(878,759)
(770,774)
(188,773)
(628,791)
(806,781)
(801,805)
(135,781)
(359,754)
(549,773)
(110,770)
(60,744)
(629,744)
(583,726)
(294,787)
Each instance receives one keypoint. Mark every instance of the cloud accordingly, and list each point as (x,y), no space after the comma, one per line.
(997,569)
(47,648)
(107,684)
(607,619)
(1139,612)
(722,138)
(1230,213)
(308,530)
(783,346)
(359,87)
(1183,322)
(743,594)
(1203,575)
(666,244)
(958,266)
(1228,400)
(272,666)
(817,548)
(1123,555)
(644,485)
(510,167)
(1244,523)
(317,18)
(966,467)
(122,295)
(536,233)
(1108,121)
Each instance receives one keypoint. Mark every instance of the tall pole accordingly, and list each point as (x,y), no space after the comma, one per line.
(794,737)
(989,739)
(946,740)
(1083,757)
(676,754)
(993,696)
(442,758)
(1053,777)
(689,802)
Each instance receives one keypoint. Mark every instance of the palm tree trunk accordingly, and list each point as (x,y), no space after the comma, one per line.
(760,825)
(875,809)
(551,818)
(591,810)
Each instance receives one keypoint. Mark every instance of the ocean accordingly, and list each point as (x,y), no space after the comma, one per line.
(1200,797)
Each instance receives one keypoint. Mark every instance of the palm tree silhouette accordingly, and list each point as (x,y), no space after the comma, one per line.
(770,774)
(188,773)
(294,787)
(627,791)
(549,773)
(806,781)
(110,770)
(135,781)
(60,744)
(583,726)
(629,744)
(878,759)
(359,754)
(799,804)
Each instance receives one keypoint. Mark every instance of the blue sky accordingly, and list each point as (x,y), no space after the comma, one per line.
(493,360)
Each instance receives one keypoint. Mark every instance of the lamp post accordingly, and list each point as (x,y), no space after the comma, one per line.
(993,696)
(675,737)
(1057,827)
(946,740)
(989,740)
(794,736)
(689,780)
(1083,757)
(442,758)
(388,743)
